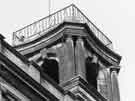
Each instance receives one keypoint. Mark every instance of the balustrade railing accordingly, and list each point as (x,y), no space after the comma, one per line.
(69,13)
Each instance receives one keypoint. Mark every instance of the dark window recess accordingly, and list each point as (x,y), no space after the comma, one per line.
(50,67)
(51,54)
(91,72)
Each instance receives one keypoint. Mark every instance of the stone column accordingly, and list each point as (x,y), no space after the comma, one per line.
(67,68)
(114,83)
(80,58)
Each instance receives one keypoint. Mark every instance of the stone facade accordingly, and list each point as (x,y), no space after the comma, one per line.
(66,63)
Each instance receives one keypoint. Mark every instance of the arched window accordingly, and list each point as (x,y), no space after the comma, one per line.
(91,72)
(51,68)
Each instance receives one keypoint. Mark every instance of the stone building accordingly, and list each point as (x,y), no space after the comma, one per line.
(62,57)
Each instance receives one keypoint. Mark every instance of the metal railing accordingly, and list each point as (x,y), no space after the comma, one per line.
(69,13)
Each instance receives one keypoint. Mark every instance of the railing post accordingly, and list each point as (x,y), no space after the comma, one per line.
(73,13)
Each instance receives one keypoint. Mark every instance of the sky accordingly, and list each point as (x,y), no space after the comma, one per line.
(116,18)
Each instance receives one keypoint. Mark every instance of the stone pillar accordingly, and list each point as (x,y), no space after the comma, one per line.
(67,66)
(80,58)
(114,83)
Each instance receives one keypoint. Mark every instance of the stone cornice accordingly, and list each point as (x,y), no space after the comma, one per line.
(106,53)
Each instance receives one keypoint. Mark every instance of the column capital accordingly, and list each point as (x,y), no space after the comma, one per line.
(114,68)
(69,37)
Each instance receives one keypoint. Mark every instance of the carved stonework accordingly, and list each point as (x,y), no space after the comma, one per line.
(76,54)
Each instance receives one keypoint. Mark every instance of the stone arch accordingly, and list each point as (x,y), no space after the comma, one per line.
(50,66)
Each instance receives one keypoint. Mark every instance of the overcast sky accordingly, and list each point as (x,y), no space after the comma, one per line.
(116,18)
